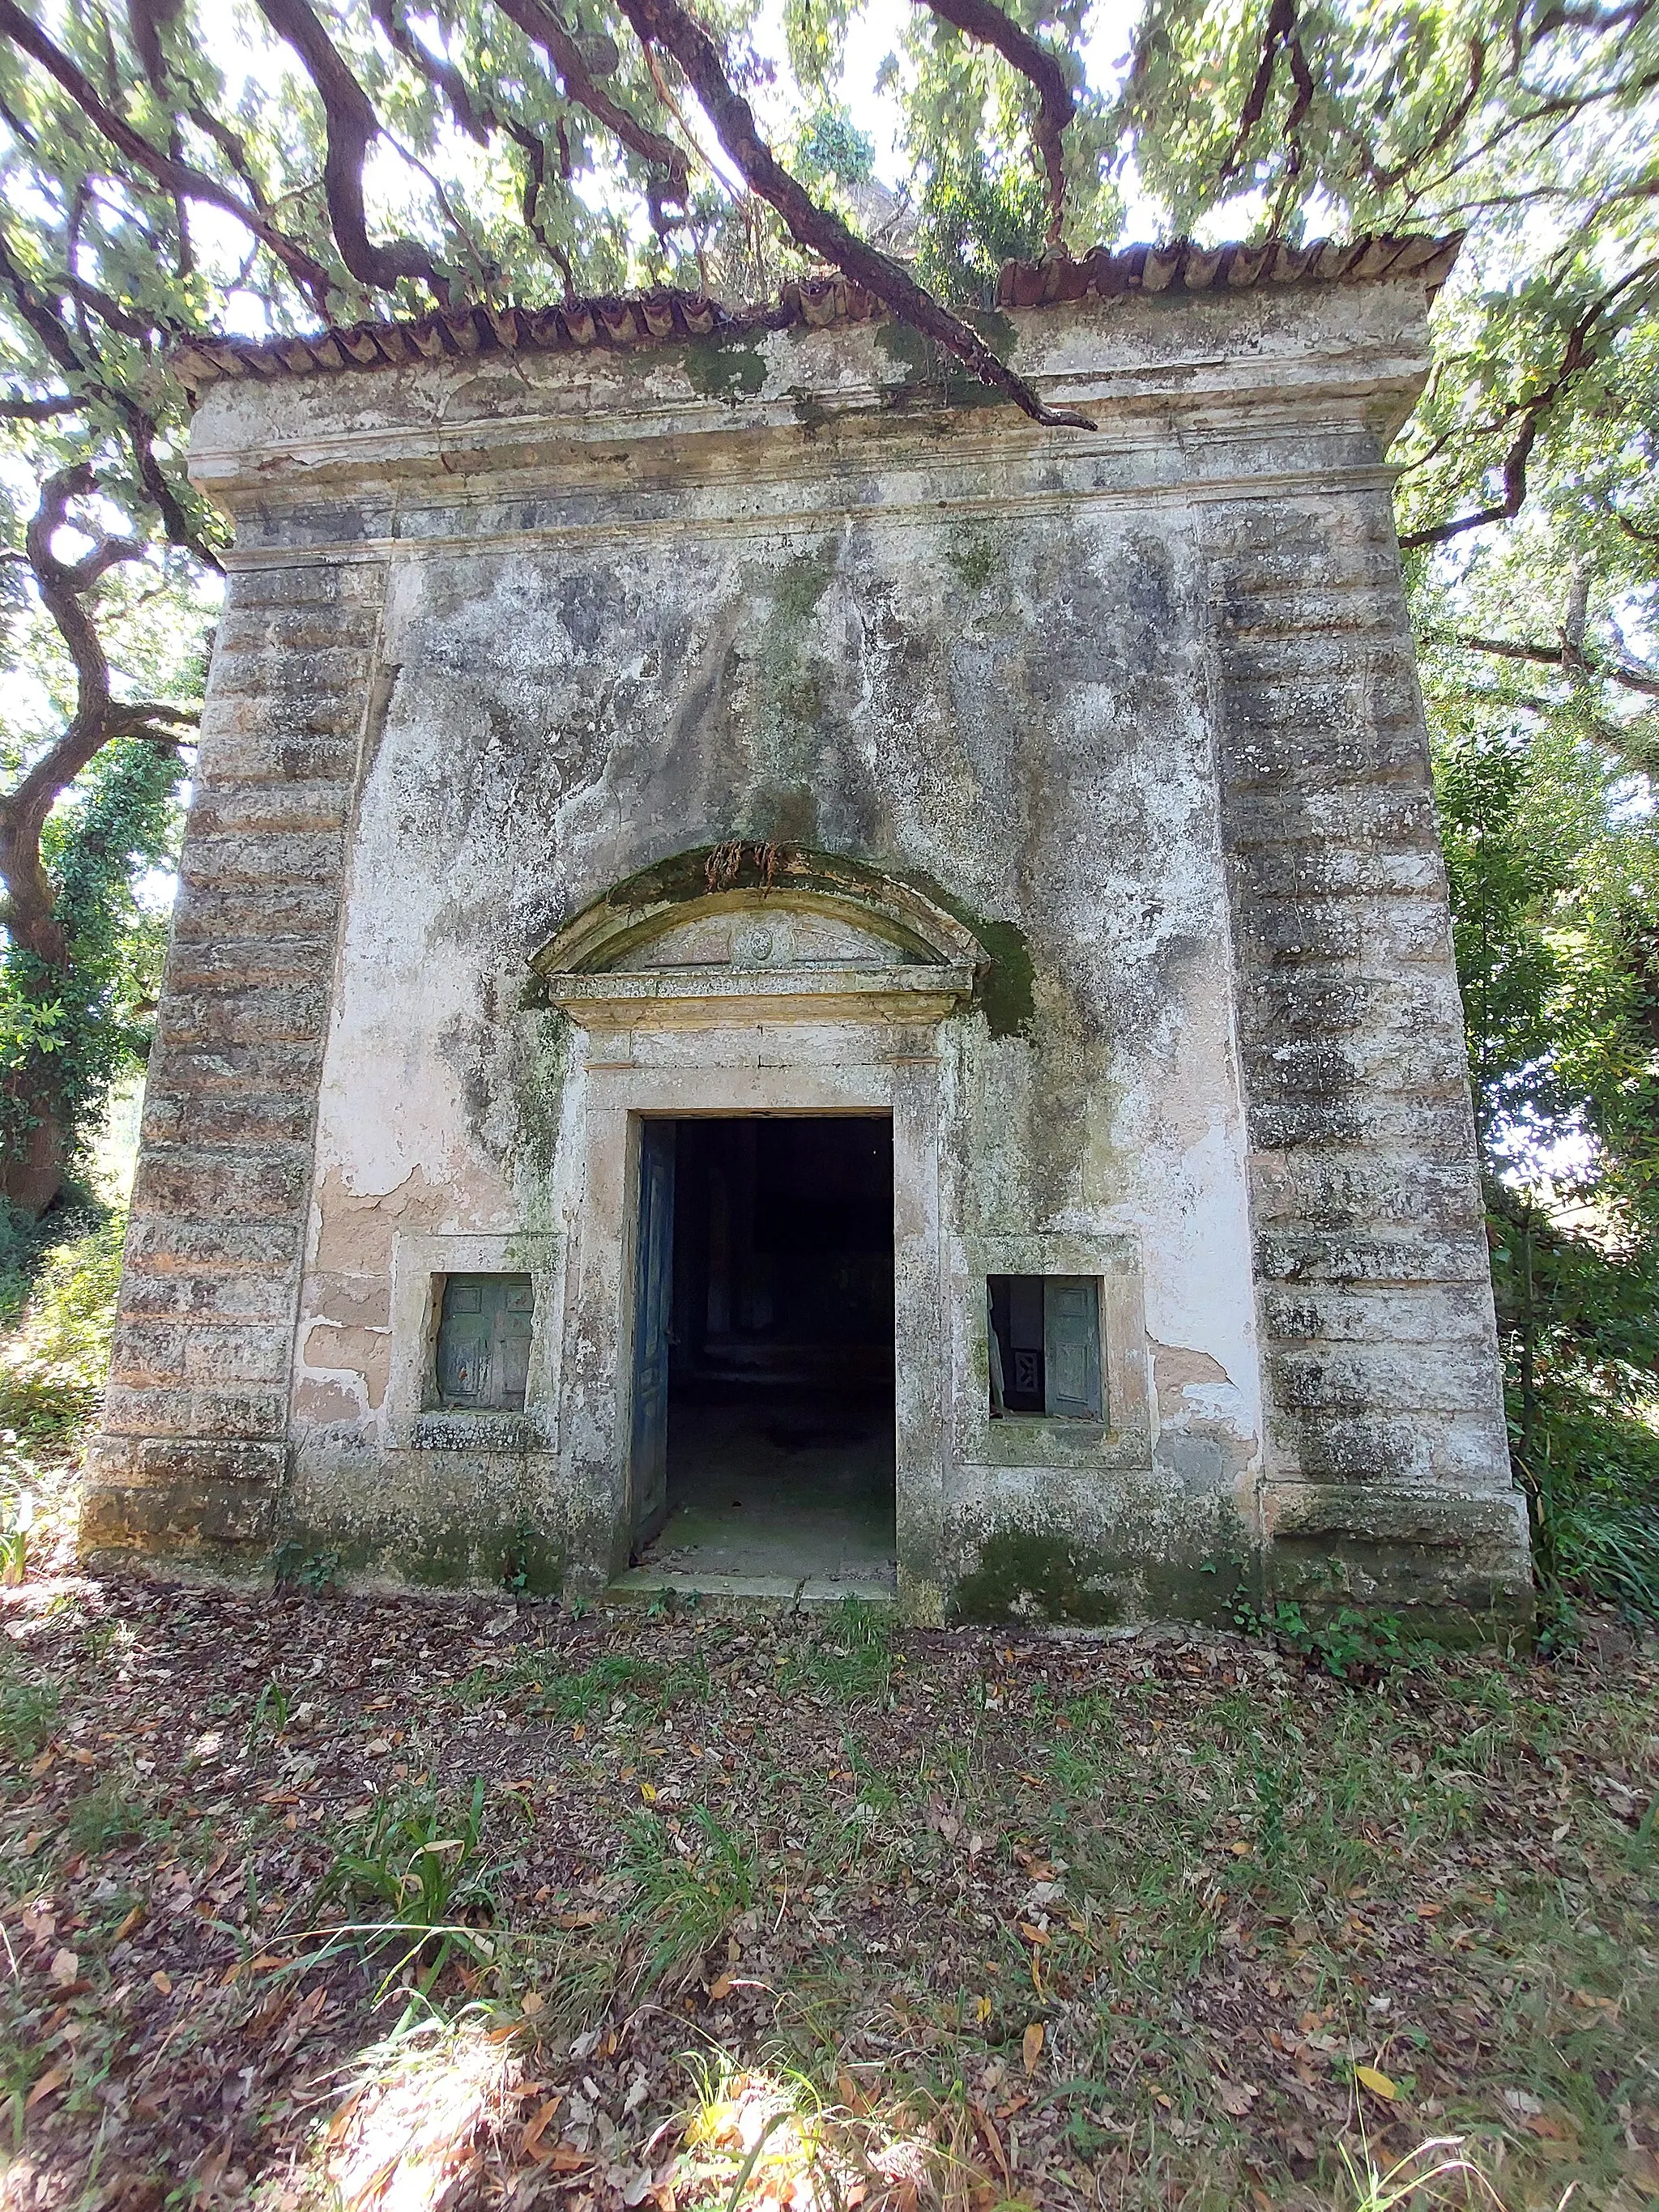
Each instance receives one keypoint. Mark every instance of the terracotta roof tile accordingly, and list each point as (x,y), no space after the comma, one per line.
(664,317)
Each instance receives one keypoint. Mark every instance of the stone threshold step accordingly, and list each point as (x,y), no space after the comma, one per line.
(717,1593)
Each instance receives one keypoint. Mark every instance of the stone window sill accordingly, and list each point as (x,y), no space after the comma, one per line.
(456,1429)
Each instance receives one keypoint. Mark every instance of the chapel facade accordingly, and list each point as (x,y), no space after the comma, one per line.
(788,985)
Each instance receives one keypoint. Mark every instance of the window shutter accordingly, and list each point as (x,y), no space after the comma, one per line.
(1070,1347)
(483,1340)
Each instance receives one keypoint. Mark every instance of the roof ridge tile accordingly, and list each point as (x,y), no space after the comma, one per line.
(665,316)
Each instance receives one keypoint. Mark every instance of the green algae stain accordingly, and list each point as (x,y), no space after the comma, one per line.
(973,558)
(801,583)
(926,369)
(1007,989)
(728,372)
(809,413)
(909,352)
(1022,1576)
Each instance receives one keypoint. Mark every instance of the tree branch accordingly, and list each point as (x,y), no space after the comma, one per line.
(667,24)
(36,410)
(176,177)
(1056,106)
(535,155)
(442,73)
(146,19)
(31,901)
(1562,656)
(1577,355)
(1276,32)
(1385,180)
(1588,19)
(1567,106)
(1632,530)
(539,24)
(352,127)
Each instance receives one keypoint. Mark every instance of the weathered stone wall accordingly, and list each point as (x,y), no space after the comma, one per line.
(1386,1442)
(1138,708)
(190,1461)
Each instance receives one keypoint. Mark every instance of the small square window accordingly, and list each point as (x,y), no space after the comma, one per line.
(1045,1345)
(483,1341)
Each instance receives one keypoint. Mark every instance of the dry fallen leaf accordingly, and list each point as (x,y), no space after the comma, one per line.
(1551,2127)
(65,1967)
(535,2128)
(1376,2082)
(162,1980)
(54,2078)
(721,1987)
(1031,2045)
(1237,2097)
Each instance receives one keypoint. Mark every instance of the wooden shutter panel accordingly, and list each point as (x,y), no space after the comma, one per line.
(483,1341)
(1070,1347)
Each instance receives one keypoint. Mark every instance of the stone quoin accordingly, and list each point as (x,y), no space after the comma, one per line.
(753,921)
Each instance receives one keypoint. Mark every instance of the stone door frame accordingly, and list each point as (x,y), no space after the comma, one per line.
(735,1071)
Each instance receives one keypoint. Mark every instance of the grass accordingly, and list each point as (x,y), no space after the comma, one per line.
(418,1883)
(691,1883)
(1277,1940)
(28,1711)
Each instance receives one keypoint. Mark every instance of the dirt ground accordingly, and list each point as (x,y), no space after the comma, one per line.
(411,1902)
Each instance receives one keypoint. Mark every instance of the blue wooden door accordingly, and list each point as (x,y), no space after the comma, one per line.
(654,1286)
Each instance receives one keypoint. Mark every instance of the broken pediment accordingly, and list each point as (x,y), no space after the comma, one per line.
(718,937)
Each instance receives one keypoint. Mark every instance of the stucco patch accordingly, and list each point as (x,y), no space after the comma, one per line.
(353,1301)
(327,1405)
(1175,1366)
(365,1352)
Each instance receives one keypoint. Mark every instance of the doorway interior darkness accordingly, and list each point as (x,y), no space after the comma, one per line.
(763,1434)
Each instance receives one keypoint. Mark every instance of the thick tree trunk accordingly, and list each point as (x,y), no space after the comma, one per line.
(31,1170)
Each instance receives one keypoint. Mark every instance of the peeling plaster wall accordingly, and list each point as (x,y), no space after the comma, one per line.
(618,620)
(561,718)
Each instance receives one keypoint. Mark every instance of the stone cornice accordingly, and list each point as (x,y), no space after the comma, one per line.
(805,404)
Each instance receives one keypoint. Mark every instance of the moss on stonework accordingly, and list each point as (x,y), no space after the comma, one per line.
(801,583)
(809,413)
(1209,1594)
(537,1078)
(973,556)
(1006,990)
(929,371)
(684,877)
(728,370)
(1022,1576)
(997,330)
(468,1555)
(531,1564)
(908,350)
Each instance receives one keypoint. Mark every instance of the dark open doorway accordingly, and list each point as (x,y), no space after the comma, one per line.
(762,1443)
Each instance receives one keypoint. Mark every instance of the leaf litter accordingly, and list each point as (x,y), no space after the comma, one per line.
(409,1902)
